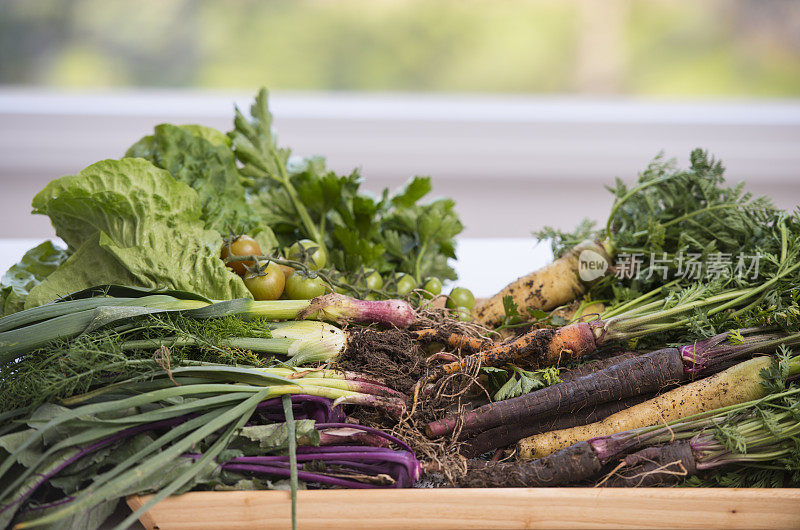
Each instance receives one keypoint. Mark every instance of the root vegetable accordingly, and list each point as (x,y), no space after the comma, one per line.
(507,434)
(454,340)
(737,384)
(537,348)
(545,289)
(634,376)
(573,464)
(594,366)
(663,465)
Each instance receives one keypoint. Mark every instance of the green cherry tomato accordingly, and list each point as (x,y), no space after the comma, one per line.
(267,283)
(302,287)
(373,280)
(287,271)
(240,246)
(463,314)
(405,284)
(461,297)
(433,286)
(309,252)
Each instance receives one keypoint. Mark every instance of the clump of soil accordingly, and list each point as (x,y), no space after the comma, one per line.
(395,358)
(389,355)
(401,362)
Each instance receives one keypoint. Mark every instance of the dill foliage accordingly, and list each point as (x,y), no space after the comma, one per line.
(68,367)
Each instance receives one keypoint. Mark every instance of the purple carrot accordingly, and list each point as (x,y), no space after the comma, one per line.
(507,434)
(662,465)
(575,463)
(594,366)
(650,372)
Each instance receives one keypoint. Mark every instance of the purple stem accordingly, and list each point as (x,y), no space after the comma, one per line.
(392,456)
(302,475)
(340,449)
(326,438)
(377,390)
(370,430)
(372,468)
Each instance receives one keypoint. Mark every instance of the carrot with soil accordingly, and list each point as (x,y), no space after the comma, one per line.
(451,339)
(632,376)
(747,433)
(683,210)
(570,465)
(595,366)
(738,384)
(645,374)
(545,289)
(508,434)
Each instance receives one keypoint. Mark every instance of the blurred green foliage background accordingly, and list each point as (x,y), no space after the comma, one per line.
(630,47)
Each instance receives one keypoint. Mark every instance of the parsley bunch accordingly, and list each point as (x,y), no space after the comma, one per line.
(301,198)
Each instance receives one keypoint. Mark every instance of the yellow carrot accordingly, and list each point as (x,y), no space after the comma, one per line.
(551,286)
(737,384)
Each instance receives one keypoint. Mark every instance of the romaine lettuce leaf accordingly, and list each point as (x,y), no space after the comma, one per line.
(131,223)
(36,265)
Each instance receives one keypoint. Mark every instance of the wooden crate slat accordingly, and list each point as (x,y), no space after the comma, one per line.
(442,509)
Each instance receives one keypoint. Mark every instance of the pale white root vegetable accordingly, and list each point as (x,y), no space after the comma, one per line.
(547,288)
(737,384)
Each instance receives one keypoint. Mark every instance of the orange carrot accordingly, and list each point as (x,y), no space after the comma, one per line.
(539,347)
(454,340)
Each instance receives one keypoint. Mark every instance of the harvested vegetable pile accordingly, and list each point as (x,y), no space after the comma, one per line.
(226,316)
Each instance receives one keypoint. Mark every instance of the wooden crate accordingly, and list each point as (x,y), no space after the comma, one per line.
(480,508)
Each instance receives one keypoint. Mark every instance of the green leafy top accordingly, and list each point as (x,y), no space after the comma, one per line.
(300,198)
(201,157)
(36,265)
(670,211)
(125,223)
(507,384)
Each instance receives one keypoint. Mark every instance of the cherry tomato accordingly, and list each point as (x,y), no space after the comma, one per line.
(300,286)
(287,270)
(309,252)
(373,280)
(461,297)
(463,314)
(267,283)
(405,284)
(240,246)
(433,286)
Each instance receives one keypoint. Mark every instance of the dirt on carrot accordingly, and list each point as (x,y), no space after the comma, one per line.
(663,465)
(571,465)
(390,355)
(396,358)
